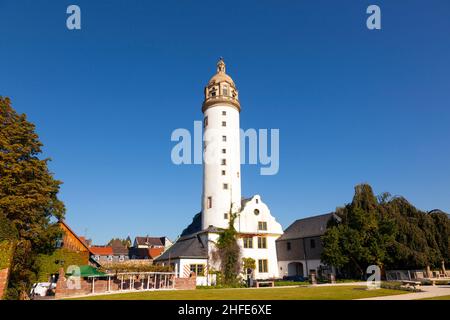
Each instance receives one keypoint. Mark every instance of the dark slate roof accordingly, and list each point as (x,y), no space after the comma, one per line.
(139,253)
(191,246)
(244,201)
(150,241)
(120,250)
(308,227)
(195,226)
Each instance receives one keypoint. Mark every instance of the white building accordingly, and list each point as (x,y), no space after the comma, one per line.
(256,227)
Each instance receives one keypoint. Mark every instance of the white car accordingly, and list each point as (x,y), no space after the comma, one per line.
(41,288)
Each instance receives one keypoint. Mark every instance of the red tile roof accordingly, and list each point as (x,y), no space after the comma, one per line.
(155,252)
(102,251)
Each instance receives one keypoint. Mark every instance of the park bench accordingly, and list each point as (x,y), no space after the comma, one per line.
(270,282)
(410,283)
(433,281)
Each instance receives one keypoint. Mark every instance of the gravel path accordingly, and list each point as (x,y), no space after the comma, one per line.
(428,292)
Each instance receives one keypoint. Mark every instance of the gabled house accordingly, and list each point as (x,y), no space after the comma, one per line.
(300,247)
(71,241)
(102,254)
(152,242)
(145,253)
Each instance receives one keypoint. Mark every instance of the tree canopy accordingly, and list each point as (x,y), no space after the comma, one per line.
(385,231)
(118,242)
(28,195)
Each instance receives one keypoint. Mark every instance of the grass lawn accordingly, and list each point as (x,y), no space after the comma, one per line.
(299,293)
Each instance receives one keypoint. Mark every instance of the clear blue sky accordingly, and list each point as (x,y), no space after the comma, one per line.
(352,105)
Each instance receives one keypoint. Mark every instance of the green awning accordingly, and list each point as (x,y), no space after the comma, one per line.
(86,271)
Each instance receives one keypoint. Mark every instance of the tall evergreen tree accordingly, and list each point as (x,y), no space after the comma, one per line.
(28,196)
(361,238)
(385,231)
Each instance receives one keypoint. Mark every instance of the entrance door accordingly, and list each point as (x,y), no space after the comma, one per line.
(295,269)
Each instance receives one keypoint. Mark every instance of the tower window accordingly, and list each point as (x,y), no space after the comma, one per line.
(225,90)
(224,150)
(224,123)
(223,172)
(205,122)
(312,243)
(224,138)
(224,162)
(224,113)
(213,94)
(209,203)
(288,246)
(225,216)
(225,186)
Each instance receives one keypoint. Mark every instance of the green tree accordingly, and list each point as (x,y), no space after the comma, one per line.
(116,242)
(386,231)
(228,253)
(28,196)
(422,238)
(361,238)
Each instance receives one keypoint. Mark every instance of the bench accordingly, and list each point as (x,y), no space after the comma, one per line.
(433,281)
(409,283)
(258,283)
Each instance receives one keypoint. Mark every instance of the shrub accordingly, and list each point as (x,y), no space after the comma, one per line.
(119,267)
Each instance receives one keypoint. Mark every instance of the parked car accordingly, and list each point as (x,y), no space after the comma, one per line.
(42,289)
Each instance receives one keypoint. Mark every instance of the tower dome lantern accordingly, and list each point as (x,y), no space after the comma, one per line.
(221,89)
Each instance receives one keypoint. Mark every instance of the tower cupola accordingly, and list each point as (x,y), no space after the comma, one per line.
(221,89)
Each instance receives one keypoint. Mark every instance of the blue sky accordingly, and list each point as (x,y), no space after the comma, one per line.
(352,105)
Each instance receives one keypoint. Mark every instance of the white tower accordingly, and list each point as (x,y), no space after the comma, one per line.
(222,163)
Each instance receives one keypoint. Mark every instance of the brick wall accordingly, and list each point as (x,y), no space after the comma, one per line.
(101,285)
(186,283)
(4,273)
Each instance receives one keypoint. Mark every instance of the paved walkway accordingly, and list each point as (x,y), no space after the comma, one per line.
(427,292)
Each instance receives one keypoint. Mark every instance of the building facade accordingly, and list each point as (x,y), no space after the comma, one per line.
(300,247)
(71,241)
(221,198)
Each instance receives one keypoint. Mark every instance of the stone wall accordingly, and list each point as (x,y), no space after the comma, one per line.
(6,253)
(4,273)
